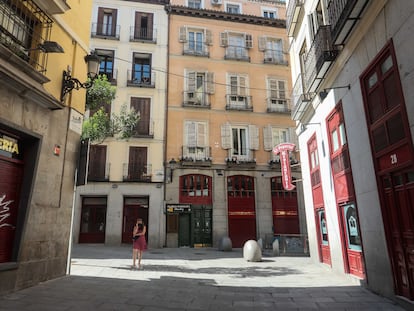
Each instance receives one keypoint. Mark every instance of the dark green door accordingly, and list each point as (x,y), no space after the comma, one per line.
(201,226)
(184,230)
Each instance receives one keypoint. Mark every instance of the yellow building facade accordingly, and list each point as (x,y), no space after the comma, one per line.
(39,135)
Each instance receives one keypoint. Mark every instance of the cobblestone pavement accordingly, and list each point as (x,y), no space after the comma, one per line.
(193,279)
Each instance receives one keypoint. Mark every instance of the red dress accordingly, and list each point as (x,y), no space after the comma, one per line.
(140,243)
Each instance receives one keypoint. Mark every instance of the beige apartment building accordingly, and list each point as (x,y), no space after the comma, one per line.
(228,106)
(125,178)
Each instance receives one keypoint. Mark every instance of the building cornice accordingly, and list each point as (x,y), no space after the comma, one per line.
(224,16)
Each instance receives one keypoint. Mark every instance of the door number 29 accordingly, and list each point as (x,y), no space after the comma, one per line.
(394,159)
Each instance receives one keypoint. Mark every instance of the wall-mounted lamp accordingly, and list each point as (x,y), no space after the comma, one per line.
(324,93)
(69,83)
(173,166)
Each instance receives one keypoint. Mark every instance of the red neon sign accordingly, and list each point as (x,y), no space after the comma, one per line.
(283,149)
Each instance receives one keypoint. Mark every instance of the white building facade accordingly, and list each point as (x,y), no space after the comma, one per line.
(352,74)
(124,178)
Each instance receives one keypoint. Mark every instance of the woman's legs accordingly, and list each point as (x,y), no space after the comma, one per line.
(134,256)
(139,258)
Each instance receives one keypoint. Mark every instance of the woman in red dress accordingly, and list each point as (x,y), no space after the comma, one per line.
(139,242)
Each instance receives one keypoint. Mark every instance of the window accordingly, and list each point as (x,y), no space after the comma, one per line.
(143,107)
(141,72)
(143,26)
(198,86)
(195,140)
(273,50)
(315,21)
(196,40)
(240,140)
(137,168)
(97,163)
(106,66)
(277,101)
(233,8)
(273,136)
(314,162)
(269,13)
(106,25)
(237,45)
(237,91)
(195,186)
(195,4)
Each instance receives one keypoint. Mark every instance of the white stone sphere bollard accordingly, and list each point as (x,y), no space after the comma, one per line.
(252,251)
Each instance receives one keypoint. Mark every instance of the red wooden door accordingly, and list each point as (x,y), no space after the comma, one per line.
(393,158)
(93,220)
(134,208)
(10,183)
(241,209)
(284,208)
(345,194)
(318,203)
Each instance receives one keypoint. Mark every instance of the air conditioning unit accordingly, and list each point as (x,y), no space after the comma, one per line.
(216,2)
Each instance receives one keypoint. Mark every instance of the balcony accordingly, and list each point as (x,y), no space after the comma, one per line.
(133,172)
(279,105)
(105,31)
(144,129)
(343,15)
(319,58)
(54,6)
(240,162)
(139,34)
(300,99)
(237,53)
(196,49)
(196,99)
(99,173)
(239,102)
(275,57)
(196,156)
(293,12)
(140,79)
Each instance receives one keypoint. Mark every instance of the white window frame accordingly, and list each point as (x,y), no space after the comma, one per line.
(201,4)
(196,139)
(238,95)
(233,4)
(270,10)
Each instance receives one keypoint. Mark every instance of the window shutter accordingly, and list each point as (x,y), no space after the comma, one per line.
(224,39)
(191,134)
(210,83)
(201,135)
(273,88)
(262,43)
(209,38)
(249,41)
(254,137)
(183,34)
(282,89)
(226,136)
(267,138)
(242,86)
(191,81)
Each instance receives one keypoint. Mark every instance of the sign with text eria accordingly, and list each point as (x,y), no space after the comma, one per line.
(284,149)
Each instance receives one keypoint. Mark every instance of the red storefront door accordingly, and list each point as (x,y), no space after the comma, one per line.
(241,209)
(134,208)
(10,183)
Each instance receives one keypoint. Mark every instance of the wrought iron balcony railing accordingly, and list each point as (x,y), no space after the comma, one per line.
(142,34)
(300,98)
(140,79)
(24,28)
(99,173)
(279,105)
(196,99)
(343,15)
(196,156)
(239,102)
(144,128)
(319,58)
(196,49)
(138,173)
(237,53)
(276,57)
(108,31)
